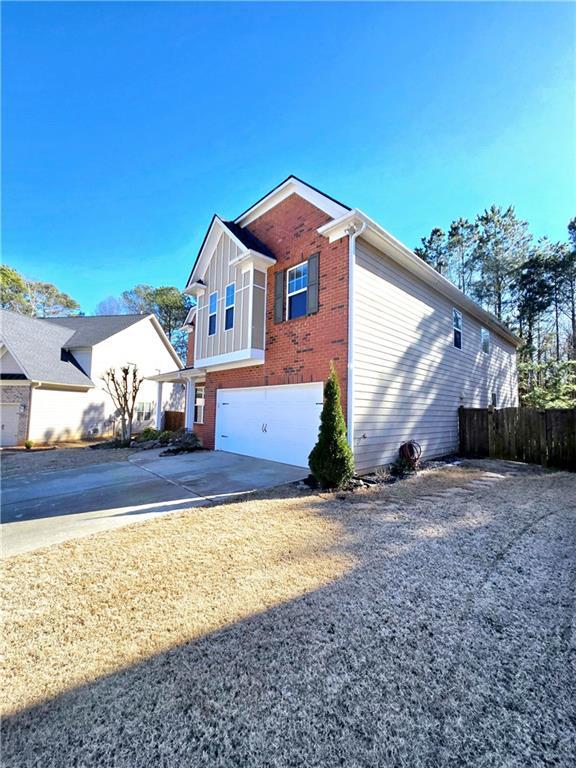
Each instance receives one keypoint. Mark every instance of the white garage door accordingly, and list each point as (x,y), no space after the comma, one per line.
(276,423)
(10,417)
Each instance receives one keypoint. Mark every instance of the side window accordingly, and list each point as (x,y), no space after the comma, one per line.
(143,411)
(212,307)
(229,306)
(199,406)
(297,289)
(457,328)
(485,341)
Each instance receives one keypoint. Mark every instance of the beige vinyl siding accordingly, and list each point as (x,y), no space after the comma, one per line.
(259,310)
(409,379)
(218,275)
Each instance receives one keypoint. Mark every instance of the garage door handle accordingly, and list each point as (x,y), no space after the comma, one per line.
(264,427)
(223,435)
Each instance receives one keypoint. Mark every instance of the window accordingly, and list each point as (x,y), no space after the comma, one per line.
(212,307)
(199,405)
(485,341)
(143,411)
(493,399)
(229,307)
(457,328)
(297,277)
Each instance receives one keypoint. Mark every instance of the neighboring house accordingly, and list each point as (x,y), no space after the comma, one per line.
(51,372)
(299,280)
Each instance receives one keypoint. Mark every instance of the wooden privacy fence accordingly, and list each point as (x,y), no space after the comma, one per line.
(173,420)
(521,434)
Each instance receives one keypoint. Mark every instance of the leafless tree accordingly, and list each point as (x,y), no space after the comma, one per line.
(123,385)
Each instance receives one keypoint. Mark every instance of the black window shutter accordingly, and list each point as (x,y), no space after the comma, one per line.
(313,265)
(279,296)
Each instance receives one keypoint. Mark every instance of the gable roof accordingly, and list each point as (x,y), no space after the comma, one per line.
(244,239)
(88,331)
(38,347)
(247,238)
(290,186)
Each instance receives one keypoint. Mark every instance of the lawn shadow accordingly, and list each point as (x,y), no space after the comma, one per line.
(369,670)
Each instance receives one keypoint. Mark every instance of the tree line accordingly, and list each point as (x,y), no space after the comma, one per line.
(528,283)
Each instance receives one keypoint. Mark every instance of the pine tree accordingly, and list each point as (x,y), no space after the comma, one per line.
(433,250)
(331,460)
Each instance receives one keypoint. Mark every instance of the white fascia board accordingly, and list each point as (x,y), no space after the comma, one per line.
(217,229)
(195,289)
(24,371)
(178,377)
(252,258)
(237,359)
(165,340)
(383,241)
(290,187)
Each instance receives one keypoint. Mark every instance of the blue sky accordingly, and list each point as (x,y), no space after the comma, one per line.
(125,126)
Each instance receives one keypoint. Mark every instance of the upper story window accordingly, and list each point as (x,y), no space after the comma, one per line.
(229,306)
(485,340)
(457,328)
(297,277)
(212,307)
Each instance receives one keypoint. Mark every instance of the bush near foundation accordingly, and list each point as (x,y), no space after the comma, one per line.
(331,460)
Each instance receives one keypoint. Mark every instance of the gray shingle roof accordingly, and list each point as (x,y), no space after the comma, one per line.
(38,347)
(88,331)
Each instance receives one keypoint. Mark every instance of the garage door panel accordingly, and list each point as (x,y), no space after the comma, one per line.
(276,423)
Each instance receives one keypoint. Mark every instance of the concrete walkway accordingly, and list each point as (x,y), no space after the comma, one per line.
(48,508)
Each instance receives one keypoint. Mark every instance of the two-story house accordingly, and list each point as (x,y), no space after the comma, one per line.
(299,280)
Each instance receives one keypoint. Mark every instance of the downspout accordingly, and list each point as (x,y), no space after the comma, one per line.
(353,231)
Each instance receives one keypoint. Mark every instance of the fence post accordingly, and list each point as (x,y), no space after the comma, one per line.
(461,431)
(490,426)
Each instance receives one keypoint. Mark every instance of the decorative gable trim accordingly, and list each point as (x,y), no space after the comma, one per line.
(293,186)
(216,230)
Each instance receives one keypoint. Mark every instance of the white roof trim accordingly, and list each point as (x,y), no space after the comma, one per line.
(215,232)
(178,377)
(378,237)
(291,186)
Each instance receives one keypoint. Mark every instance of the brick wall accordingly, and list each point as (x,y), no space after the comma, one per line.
(299,350)
(21,395)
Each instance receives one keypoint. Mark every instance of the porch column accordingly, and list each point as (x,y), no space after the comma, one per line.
(190,401)
(159,407)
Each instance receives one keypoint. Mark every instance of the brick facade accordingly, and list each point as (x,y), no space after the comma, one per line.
(299,350)
(19,394)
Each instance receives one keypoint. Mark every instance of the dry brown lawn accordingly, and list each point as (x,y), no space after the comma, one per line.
(67,456)
(422,624)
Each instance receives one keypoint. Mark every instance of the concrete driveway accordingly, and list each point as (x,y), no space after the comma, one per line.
(48,508)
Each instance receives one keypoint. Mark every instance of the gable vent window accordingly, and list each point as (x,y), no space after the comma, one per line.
(457,328)
(485,341)
(212,307)
(297,304)
(229,308)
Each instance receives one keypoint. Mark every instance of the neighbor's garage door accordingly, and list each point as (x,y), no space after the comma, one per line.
(276,423)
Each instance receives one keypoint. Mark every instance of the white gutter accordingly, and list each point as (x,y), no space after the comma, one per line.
(384,242)
(353,232)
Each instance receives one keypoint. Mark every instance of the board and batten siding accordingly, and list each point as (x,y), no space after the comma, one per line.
(409,379)
(246,332)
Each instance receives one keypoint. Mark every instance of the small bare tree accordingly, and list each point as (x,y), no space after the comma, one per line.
(122,385)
